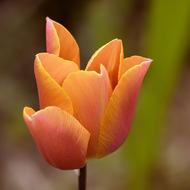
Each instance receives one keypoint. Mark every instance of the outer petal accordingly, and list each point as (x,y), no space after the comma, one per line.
(111,56)
(120,110)
(49,91)
(131,62)
(61,139)
(57,67)
(60,42)
(89,92)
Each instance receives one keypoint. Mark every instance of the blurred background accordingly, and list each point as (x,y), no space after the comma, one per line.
(156,156)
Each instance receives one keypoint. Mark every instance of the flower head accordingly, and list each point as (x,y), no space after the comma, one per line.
(83,113)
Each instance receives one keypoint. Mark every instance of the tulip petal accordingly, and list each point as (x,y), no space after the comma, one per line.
(89,92)
(60,138)
(130,62)
(57,67)
(120,110)
(49,91)
(60,42)
(111,56)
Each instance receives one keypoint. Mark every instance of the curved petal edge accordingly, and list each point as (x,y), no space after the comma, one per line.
(111,56)
(57,67)
(49,91)
(60,138)
(60,42)
(130,62)
(119,113)
(89,92)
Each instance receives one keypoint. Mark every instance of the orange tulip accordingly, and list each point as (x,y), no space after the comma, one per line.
(83,113)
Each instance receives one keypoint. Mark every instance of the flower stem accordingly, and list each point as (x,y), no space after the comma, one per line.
(82,178)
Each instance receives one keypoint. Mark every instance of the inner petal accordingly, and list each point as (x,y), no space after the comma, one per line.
(89,92)
(57,67)
(111,56)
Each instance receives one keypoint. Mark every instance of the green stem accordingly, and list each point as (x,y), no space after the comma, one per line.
(82,178)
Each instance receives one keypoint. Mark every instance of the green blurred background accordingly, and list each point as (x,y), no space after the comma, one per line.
(156,156)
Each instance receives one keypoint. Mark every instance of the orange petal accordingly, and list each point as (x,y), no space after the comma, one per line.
(49,91)
(57,67)
(130,62)
(60,42)
(89,92)
(111,56)
(60,138)
(120,110)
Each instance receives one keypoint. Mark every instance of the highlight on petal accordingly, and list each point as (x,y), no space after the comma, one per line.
(49,91)
(57,67)
(60,138)
(111,56)
(60,42)
(52,39)
(130,62)
(89,92)
(120,110)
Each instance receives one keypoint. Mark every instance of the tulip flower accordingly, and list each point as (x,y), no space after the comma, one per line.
(83,113)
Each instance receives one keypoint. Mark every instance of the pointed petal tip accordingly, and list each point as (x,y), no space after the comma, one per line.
(148,61)
(37,59)
(131,62)
(52,39)
(102,69)
(116,39)
(61,42)
(49,22)
(48,19)
(111,56)
(28,115)
(37,56)
(37,63)
(28,112)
